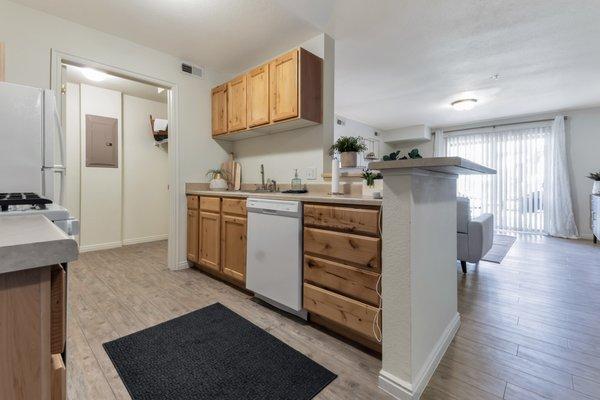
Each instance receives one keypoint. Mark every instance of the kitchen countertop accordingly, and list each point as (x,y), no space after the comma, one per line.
(446,165)
(306,197)
(32,241)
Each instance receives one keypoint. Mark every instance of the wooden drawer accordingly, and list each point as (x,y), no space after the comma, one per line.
(362,251)
(352,314)
(210,204)
(234,206)
(58,310)
(192,202)
(347,219)
(350,281)
(58,380)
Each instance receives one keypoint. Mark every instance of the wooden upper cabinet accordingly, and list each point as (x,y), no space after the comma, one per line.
(219,110)
(258,96)
(209,249)
(233,246)
(283,73)
(236,104)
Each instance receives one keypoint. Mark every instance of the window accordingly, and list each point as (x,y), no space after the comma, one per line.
(514,195)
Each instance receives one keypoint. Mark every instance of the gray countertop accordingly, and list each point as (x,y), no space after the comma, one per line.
(306,197)
(32,241)
(446,165)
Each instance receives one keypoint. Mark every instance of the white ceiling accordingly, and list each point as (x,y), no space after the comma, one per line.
(398,62)
(126,86)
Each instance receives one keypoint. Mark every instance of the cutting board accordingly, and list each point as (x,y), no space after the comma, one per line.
(237,174)
(228,166)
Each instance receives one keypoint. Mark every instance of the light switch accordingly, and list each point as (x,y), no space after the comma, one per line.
(310,173)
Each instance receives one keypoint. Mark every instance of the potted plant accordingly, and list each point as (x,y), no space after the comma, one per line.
(348,147)
(595,176)
(372,184)
(216,179)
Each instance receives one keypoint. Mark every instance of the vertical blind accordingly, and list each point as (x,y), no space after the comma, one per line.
(514,195)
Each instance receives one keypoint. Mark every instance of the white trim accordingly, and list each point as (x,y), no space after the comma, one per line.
(173,115)
(403,390)
(146,239)
(182,265)
(100,246)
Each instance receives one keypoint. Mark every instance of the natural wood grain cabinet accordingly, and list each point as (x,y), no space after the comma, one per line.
(219,110)
(236,104)
(281,95)
(209,239)
(258,96)
(284,86)
(233,246)
(216,236)
(192,235)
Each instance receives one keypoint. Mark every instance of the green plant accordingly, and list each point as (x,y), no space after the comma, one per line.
(370,176)
(413,154)
(214,173)
(595,176)
(346,144)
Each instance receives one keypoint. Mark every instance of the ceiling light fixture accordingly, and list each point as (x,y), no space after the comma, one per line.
(160,90)
(94,75)
(464,104)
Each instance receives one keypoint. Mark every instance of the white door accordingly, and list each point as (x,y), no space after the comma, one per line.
(20,138)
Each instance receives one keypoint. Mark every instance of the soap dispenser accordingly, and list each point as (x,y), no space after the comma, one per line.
(296,182)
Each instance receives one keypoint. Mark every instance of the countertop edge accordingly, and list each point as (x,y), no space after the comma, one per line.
(37,254)
(312,198)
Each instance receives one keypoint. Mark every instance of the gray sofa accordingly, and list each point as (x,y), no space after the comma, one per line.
(474,236)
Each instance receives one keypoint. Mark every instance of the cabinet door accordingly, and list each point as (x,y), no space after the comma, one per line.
(209,239)
(233,247)
(219,110)
(236,104)
(192,235)
(283,73)
(258,96)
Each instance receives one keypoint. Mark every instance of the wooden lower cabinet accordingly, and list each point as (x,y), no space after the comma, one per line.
(233,246)
(209,239)
(216,237)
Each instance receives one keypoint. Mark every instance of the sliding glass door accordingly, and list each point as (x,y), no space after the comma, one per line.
(514,194)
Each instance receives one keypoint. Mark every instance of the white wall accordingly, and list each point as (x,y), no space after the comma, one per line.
(303,148)
(30,35)
(145,173)
(101,188)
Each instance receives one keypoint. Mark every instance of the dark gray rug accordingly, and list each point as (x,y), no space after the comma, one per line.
(213,353)
(500,248)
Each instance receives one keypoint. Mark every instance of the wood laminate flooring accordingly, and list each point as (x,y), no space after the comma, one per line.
(530,326)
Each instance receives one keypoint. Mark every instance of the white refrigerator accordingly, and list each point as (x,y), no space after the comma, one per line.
(32,143)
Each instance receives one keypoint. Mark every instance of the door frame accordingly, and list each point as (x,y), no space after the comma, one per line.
(59,57)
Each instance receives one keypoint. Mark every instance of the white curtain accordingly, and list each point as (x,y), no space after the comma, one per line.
(439,147)
(558,208)
(514,194)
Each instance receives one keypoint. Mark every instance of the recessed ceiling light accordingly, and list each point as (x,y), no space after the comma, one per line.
(464,104)
(94,74)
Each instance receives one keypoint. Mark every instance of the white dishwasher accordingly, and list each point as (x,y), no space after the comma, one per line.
(274,253)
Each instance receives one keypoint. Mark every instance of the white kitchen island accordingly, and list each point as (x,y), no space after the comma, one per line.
(420,316)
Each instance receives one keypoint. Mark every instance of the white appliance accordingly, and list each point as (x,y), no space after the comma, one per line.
(32,145)
(55,213)
(274,253)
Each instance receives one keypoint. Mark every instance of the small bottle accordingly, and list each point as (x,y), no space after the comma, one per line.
(296,182)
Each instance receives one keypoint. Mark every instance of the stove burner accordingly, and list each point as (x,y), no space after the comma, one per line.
(27,198)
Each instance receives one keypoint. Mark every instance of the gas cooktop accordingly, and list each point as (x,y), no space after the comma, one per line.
(22,199)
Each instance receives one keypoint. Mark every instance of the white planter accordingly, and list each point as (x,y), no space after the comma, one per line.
(218,184)
(348,159)
(596,187)
(375,191)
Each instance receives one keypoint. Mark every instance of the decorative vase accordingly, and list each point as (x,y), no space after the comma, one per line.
(596,187)
(375,191)
(348,159)
(217,183)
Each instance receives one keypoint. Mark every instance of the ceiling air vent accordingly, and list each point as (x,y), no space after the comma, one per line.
(191,70)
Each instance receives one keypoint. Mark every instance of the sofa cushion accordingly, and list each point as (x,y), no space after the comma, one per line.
(463,214)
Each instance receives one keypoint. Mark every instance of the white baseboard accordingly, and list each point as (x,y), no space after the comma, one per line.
(403,390)
(179,266)
(100,246)
(146,239)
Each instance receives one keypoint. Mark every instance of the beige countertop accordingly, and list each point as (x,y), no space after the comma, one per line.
(306,197)
(32,241)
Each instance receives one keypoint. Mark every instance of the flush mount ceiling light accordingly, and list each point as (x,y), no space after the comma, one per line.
(94,75)
(464,104)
